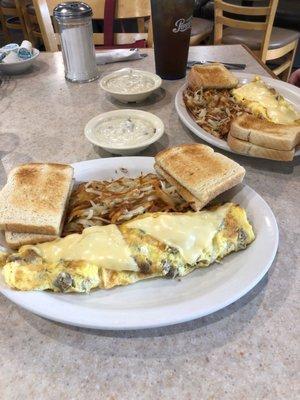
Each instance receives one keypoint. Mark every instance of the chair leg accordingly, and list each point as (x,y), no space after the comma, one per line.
(286,74)
(28,25)
(31,37)
(286,52)
(21,18)
(150,34)
(141,25)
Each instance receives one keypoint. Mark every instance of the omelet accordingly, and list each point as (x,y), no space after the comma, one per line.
(266,102)
(72,276)
(160,245)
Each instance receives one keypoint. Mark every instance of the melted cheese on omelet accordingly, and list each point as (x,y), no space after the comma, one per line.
(101,245)
(179,244)
(264,101)
(191,233)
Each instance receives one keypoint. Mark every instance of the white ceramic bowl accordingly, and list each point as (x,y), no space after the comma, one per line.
(91,135)
(130,97)
(19,67)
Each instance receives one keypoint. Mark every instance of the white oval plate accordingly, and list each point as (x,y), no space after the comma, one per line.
(160,302)
(289,92)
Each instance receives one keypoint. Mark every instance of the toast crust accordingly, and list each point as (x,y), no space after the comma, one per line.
(211,76)
(262,132)
(247,148)
(34,228)
(15,240)
(200,171)
(184,193)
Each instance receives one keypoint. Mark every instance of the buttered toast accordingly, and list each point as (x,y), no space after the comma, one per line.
(34,198)
(249,149)
(262,132)
(212,76)
(198,173)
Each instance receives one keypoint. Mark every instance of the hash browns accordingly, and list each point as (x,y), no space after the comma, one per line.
(116,201)
(213,109)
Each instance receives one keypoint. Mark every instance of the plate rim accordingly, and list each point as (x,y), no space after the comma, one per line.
(23,62)
(89,129)
(189,122)
(16,296)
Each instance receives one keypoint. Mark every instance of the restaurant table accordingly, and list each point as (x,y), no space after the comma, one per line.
(248,350)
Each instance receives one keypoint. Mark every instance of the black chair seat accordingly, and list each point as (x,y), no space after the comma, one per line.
(253,39)
(287,15)
(201,26)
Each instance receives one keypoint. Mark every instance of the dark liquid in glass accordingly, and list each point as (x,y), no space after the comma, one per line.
(172,21)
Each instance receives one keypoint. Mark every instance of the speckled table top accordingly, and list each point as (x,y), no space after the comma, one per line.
(249,350)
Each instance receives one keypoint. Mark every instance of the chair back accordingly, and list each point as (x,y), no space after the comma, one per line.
(3,30)
(7,14)
(266,12)
(136,9)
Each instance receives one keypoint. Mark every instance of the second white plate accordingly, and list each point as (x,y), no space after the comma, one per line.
(159,302)
(289,92)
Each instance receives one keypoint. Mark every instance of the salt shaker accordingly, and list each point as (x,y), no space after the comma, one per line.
(76,35)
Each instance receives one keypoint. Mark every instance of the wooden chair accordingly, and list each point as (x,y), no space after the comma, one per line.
(31,22)
(201,30)
(138,9)
(12,17)
(270,43)
(4,29)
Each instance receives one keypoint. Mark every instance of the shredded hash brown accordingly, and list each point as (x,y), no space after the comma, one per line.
(213,109)
(116,201)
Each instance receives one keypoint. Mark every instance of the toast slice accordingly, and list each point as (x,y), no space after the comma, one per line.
(211,76)
(198,173)
(262,132)
(249,149)
(184,193)
(34,198)
(15,239)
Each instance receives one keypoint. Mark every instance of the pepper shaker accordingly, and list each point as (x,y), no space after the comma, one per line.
(76,35)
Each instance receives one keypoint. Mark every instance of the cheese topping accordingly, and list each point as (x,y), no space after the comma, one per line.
(101,245)
(191,233)
(266,102)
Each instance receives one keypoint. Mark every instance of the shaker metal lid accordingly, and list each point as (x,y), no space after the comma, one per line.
(72,9)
